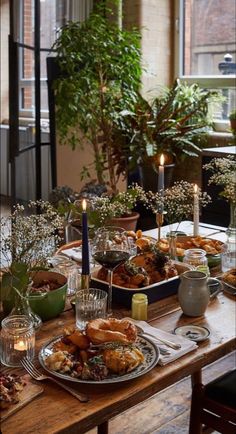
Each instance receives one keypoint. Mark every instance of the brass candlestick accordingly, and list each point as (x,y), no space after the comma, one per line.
(85,280)
(159,221)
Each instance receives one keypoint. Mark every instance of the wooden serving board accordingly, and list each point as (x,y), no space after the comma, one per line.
(29,392)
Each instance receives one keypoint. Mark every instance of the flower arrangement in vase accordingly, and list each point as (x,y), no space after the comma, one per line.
(224,175)
(28,240)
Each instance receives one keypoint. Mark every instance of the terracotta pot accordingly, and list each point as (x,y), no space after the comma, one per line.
(233,124)
(128,223)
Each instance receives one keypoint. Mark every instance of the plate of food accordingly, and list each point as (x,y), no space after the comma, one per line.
(100,355)
(229,281)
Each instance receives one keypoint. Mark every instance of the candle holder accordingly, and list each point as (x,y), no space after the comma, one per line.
(85,281)
(18,340)
(159,221)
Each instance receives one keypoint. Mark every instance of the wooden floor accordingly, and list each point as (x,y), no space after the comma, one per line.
(168,411)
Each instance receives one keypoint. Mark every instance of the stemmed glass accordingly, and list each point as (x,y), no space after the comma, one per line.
(110,249)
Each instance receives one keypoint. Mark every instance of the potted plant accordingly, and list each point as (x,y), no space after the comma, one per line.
(100,75)
(232,118)
(173,123)
(28,240)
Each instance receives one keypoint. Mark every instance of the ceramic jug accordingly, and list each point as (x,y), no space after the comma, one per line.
(195,291)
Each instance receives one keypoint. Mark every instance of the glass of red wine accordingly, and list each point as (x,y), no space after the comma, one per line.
(110,249)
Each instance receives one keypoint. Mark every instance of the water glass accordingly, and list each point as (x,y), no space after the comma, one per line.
(90,304)
(17,340)
(228,258)
(71,271)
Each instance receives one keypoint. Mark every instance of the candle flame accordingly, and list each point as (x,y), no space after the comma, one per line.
(84,205)
(162,160)
(195,188)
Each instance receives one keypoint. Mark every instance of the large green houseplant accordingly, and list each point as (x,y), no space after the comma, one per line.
(101,72)
(174,123)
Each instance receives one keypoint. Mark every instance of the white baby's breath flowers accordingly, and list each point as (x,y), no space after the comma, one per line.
(29,239)
(224,174)
(177,201)
(119,205)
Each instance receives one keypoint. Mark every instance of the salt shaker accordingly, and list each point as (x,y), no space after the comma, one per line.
(139,306)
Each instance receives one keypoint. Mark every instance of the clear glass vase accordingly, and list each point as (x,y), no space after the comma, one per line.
(172,238)
(22,307)
(231,231)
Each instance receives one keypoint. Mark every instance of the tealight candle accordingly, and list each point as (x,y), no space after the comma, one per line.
(85,242)
(20,346)
(18,340)
(161,181)
(195,211)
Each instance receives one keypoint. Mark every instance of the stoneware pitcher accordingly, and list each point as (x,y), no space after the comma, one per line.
(195,291)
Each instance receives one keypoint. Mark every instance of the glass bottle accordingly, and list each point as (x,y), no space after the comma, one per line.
(139,306)
(18,340)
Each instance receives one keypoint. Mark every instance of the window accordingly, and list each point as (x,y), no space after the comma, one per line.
(207,51)
(54,14)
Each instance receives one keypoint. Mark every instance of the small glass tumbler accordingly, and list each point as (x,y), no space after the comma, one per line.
(71,271)
(228,257)
(90,304)
(197,259)
(17,340)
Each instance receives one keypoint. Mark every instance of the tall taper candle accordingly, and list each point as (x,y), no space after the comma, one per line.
(195,211)
(161,181)
(85,241)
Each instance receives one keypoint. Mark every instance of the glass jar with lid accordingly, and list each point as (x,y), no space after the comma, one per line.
(197,259)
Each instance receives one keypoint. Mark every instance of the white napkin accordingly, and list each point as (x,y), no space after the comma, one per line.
(186,344)
(74,253)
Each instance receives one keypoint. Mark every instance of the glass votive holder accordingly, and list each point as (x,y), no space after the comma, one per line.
(17,340)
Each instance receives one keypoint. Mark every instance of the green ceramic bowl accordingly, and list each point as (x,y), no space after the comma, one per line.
(53,303)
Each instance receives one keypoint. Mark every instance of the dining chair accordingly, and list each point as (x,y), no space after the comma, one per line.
(213,406)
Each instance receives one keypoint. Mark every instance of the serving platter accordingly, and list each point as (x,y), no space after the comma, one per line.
(149,349)
(156,291)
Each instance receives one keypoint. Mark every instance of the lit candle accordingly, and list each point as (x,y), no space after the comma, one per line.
(85,242)
(161,181)
(20,346)
(195,211)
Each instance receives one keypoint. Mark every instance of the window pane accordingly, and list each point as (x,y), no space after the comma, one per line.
(209,34)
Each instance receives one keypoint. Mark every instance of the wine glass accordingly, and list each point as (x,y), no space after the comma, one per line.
(110,249)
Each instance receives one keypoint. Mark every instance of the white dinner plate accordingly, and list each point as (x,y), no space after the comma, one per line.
(192,332)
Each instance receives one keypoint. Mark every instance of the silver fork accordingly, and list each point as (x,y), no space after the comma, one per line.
(39,376)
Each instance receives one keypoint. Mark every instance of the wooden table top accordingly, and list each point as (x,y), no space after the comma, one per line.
(55,411)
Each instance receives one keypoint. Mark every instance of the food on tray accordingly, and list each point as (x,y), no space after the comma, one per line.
(212,247)
(148,267)
(115,354)
(11,385)
(141,241)
(109,330)
(230,277)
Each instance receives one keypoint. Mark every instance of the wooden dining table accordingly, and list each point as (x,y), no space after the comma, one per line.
(56,411)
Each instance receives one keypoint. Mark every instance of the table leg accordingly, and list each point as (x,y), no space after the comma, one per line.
(103,428)
(196,378)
